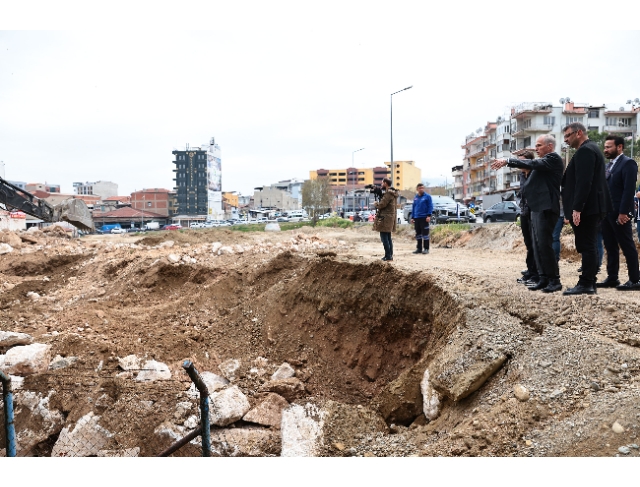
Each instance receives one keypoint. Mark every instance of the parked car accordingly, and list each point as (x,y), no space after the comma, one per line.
(505,211)
(282,219)
(447,210)
(118,230)
(172,227)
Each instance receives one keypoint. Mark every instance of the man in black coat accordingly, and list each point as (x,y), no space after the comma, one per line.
(531,273)
(542,192)
(586,200)
(617,231)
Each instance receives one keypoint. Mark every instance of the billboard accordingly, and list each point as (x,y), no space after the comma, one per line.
(214,181)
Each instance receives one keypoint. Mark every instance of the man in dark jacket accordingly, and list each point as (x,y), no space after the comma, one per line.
(617,231)
(586,200)
(421,211)
(542,191)
(531,273)
(385,221)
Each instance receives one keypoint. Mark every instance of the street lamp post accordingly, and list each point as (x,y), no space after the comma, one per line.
(392,166)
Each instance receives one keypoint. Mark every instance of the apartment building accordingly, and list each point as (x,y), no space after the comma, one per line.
(517,131)
(154,200)
(104,189)
(407,175)
(352,177)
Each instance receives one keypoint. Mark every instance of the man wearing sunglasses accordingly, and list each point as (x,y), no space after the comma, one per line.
(586,200)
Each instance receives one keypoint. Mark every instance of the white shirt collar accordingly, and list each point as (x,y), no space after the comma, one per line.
(615,160)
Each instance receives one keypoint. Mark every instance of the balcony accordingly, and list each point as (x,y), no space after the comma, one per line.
(477,152)
(536,127)
(621,128)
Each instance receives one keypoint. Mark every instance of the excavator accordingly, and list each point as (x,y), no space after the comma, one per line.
(73,211)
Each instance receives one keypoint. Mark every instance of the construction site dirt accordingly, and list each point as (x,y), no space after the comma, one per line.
(428,355)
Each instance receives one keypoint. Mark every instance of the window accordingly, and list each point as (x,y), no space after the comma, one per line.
(594,113)
(624,122)
(148,203)
(526,142)
(611,120)
(549,120)
(573,120)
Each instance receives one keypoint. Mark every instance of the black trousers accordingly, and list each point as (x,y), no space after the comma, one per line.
(525,226)
(542,226)
(422,232)
(586,244)
(617,237)
(387,243)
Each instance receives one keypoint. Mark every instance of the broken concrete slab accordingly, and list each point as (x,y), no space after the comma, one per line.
(27,359)
(86,438)
(460,376)
(268,412)
(229,368)
(311,430)
(228,406)
(130,362)
(60,362)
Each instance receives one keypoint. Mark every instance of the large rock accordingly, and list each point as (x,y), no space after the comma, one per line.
(11,239)
(268,412)
(27,359)
(36,421)
(5,248)
(400,402)
(285,371)
(230,368)
(228,406)
(291,389)
(430,398)
(312,430)
(211,380)
(85,439)
(459,376)
(152,371)
(245,442)
(10,339)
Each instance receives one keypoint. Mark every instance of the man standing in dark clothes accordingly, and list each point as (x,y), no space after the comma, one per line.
(542,191)
(531,275)
(586,200)
(421,211)
(617,231)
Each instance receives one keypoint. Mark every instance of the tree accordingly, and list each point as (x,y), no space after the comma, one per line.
(316,197)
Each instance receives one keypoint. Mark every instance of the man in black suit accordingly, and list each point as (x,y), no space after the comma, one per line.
(542,192)
(617,231)
(586,200)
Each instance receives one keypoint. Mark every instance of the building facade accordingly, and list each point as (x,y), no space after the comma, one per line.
(407,175)
(274,197)
(154,200)
(516,131)
(199,181)
(352,177)
(103,189)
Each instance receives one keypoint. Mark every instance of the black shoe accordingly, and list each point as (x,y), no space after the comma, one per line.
(387,259)
(579,289)
(533,281)
(629,286)
(542,283)
(580,269)
(553,286)
(522,280)
(525,272)
(417,251)
(608,282)
(425,251)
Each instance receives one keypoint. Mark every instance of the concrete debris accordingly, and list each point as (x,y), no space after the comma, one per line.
(268,412)
(226,250)
(212,381)
(60,362)
(130,362)
(229,368)
(152,371)
(5,248)
(245,442)
(167,244)
(11,339)
(215,246)
(86,438)
(617,428)
(228,406)
(302,428)
(291,389)
(285,371)
(27,359)
(430,398)
(33,296)
(173,258)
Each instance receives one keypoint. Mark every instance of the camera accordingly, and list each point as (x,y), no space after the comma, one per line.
(376,190)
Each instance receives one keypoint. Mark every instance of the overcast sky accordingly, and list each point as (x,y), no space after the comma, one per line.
(284,87)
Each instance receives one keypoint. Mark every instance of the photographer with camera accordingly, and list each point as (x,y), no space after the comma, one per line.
(385,222)
(421,211)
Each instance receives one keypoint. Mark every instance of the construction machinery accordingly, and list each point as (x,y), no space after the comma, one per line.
(72,210)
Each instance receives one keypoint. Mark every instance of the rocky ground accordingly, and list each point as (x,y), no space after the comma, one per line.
(310,345)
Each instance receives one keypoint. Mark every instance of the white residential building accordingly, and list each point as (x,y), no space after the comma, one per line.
(104,189)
